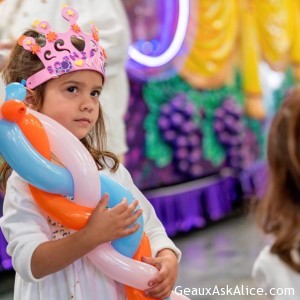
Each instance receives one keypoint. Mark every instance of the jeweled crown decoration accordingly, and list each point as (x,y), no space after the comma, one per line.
(59,55)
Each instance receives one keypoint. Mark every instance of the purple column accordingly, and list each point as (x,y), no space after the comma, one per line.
(5,260)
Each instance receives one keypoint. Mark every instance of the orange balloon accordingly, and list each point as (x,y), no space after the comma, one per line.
(34,131)
(61,210)
(13,110)
(143,250)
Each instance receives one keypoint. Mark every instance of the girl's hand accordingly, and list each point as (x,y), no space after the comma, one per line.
(6,45)
(162,284)
(105,225)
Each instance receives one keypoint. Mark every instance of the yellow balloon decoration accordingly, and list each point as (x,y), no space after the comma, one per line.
(295,37)
(209,62)
(250,58)
(274,28)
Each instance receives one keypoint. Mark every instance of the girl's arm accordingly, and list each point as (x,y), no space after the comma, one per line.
(103,226)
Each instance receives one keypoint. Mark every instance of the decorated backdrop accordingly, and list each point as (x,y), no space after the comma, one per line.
(206,79)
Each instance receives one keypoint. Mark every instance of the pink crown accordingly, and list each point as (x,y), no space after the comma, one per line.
(59,55)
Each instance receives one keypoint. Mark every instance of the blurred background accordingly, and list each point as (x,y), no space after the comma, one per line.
(206,77)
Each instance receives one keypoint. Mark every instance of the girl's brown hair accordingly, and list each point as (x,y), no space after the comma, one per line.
(22,64)
(279,211)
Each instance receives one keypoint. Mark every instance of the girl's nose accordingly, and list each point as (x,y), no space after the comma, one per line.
(87,104)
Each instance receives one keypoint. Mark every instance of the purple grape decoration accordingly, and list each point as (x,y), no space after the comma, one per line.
(233,135)
(178,128)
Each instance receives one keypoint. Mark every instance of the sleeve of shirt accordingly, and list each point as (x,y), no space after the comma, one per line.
(260,271)
(152,225)
(23,225)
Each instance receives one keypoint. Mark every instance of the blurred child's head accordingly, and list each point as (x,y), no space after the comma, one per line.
(279,210)
(284,146)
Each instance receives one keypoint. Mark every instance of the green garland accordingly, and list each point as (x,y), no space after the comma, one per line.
(155,95)
(288,82)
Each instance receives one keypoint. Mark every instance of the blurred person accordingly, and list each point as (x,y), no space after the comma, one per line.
(277,268)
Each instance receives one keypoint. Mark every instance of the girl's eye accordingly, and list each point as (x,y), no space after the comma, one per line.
(95,94)
(72,89)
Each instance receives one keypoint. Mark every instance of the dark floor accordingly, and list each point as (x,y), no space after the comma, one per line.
(219,255)
(6,285)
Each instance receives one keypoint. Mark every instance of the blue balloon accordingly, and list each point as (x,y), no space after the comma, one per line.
(15,90)
(32,166)
(126,245)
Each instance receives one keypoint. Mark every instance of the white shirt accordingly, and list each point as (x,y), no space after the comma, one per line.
(270,272)
(25,227)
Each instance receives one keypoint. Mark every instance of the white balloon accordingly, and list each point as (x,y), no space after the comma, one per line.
(72,153)
(121,268)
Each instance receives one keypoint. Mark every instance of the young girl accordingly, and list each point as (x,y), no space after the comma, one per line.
(110,16)
(278,265)
(52,263)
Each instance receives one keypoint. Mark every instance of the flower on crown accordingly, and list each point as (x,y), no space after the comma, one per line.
(59,55)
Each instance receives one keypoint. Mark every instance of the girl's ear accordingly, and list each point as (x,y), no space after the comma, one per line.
(30,99)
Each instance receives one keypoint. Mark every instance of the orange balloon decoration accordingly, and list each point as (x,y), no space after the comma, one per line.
(34,131)
(62,210)
(13,110)
(143,250)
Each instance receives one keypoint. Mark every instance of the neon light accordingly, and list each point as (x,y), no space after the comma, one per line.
(169,54)
(167,19)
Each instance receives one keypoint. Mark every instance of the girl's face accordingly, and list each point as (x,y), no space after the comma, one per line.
(73,101)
